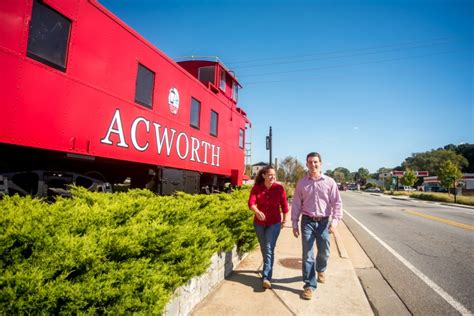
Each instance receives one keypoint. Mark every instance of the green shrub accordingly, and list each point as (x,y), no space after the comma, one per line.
(116,253)
(290,189)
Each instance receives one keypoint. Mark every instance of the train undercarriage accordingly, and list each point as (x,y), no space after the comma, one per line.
(43,173)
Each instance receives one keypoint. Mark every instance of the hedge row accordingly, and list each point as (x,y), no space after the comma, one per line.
(117,253)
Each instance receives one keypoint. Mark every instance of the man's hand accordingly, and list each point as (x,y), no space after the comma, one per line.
(296,232)
(331,229)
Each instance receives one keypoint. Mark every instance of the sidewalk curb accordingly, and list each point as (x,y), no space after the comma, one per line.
(457,205)
(340,245)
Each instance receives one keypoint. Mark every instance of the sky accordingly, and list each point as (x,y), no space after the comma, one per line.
(364,83)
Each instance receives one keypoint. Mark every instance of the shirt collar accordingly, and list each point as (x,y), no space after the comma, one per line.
(262,185)
(323,177)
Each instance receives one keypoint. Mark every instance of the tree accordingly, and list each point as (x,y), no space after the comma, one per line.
(449,175)
(292,170)
(281,174)
(384,170)
(355,176)
(345,172)
(409,178)
(299,172)
(433,160)
(339,176)
(387,183)
(329,173)
(363,175)
(467,150)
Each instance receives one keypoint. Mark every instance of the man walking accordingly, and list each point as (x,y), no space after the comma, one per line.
(317,199)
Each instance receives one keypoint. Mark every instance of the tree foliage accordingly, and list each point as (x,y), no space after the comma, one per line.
(362,175)
(346,174)
(291,170)
(409,178)
(339,176)
(433,160)
(467,151)
(449,174)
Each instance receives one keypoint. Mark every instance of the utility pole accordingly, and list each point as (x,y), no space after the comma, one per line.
(269,145)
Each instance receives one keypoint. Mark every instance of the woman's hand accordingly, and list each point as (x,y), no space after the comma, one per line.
(260,215)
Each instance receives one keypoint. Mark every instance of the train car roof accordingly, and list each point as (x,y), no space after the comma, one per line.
(213,59)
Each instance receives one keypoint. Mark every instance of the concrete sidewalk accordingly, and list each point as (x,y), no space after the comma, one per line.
(242,294)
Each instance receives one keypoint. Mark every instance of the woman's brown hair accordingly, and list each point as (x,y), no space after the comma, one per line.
(259,179)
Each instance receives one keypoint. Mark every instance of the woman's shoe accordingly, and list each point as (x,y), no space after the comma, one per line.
(266,284)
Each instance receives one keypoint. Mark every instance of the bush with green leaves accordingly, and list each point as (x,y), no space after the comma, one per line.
(118,253)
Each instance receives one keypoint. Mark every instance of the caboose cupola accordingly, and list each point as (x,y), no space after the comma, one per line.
(213,74)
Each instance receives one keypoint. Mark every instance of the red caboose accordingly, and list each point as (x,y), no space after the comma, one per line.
(87,100)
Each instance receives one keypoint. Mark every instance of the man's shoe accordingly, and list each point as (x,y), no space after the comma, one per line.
(266,284)
(321,277)
(307,293)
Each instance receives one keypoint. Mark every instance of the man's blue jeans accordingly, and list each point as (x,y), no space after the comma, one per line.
(314,231)
(267,237)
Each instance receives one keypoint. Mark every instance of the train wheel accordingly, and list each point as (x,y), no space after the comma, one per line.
(95,175)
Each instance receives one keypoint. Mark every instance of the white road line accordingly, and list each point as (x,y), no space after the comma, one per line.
(448,298)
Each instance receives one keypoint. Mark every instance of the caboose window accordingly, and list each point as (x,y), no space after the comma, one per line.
(144,86)
(195,113)
(222,83)
(214,123)
(206,74)
(235,92)
(48,36)
(241,138)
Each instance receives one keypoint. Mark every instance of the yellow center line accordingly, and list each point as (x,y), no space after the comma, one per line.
(442,220)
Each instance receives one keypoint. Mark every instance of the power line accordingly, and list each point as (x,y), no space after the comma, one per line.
(339,51)
(336,57)
(345,65)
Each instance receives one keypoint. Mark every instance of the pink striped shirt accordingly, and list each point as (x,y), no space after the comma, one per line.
(316,198)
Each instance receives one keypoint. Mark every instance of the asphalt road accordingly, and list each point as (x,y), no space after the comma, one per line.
(424,250)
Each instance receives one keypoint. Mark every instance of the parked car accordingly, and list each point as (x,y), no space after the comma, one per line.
(373,190)
(406,188)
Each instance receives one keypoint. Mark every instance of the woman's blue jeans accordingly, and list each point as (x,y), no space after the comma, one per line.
(267,237)
(312,231)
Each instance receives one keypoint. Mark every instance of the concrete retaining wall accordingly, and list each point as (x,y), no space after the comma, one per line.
(193,292)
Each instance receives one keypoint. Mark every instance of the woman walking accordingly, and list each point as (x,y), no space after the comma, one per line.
(268,200)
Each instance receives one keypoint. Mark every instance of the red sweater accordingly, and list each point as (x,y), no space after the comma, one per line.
(269,201)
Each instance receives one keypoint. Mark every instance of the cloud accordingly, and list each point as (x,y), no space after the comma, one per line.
(356,128)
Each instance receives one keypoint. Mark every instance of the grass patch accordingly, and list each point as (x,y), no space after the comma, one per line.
(435,196)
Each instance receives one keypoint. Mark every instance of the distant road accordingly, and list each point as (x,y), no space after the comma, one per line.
(424,250)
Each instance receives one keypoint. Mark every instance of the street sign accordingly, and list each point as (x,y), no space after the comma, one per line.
(418,173)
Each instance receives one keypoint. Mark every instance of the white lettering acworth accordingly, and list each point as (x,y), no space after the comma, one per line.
(180,146)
